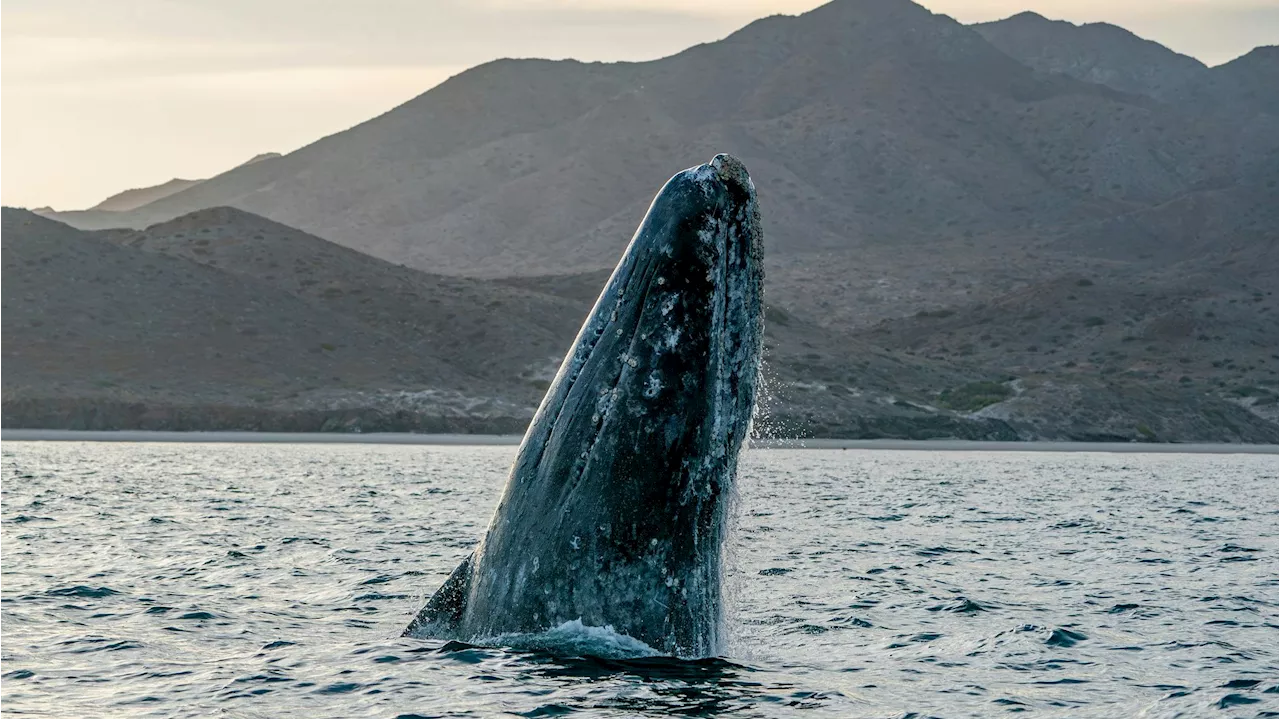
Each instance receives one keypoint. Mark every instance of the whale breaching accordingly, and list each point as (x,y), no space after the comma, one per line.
(614,511)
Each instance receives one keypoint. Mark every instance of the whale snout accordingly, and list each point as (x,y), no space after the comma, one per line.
(723,175)
(732,172)
(718,198)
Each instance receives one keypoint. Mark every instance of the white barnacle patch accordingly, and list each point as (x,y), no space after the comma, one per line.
(661,281)
(668,304)
(652,386)
(604,403)
(703,176)
(672,339)
(713,232)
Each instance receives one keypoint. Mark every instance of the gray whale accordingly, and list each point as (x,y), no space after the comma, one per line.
(614,511)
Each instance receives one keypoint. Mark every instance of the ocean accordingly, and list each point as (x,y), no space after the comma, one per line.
(273,580)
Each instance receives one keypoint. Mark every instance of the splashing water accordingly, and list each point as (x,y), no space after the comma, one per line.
(575,639)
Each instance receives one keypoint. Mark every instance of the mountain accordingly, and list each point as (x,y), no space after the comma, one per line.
(1191,338)
(225,320)
(513,333)
(260,157)
(133,199)
(1112,56)
(902,159)
(1094,52)
(959,241)
(102,214)
(1247,83)
(146,329)
(503,335)
(1165,357)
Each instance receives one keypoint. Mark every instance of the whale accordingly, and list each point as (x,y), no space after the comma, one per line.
(614,511)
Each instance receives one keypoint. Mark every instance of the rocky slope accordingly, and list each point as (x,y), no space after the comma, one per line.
(98,333)
(225,320)
(1109,55)
(1025,227)
(1121,356)
(1086,358)
(902,159)
(512,333)
(499,334)
(1094,52)
(1247,83)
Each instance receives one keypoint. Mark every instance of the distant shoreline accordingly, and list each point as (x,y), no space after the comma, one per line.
(949,445)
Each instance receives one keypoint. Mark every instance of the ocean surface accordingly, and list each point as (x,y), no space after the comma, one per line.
(273,580)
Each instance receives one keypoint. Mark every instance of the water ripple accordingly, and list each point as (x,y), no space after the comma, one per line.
(274,580)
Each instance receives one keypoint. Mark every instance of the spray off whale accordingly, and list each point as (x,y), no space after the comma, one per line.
(614,512)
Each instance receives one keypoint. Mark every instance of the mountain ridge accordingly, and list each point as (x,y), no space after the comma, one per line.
(135,198)
(929,198)
(501,130)
(1100,53)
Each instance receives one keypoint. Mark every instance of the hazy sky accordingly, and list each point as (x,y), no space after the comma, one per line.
(98,96)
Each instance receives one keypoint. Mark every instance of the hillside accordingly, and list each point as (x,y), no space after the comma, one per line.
(100,335)
(225,320)
(1074,358)
(1094,52)
(901,158)
(1112,56)
(1026,227)
(1247,83)
(133,199)
(1082,344)
(513,333)
(499,334)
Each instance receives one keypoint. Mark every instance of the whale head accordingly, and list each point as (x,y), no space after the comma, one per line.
(672,345)
(614,511)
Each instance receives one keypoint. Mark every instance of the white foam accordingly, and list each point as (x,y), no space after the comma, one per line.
(576,639)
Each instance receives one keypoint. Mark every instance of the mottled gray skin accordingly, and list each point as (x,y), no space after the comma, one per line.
(614,512)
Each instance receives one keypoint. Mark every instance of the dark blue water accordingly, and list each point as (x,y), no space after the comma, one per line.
(273,580)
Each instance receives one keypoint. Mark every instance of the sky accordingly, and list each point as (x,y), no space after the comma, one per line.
(98,97)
